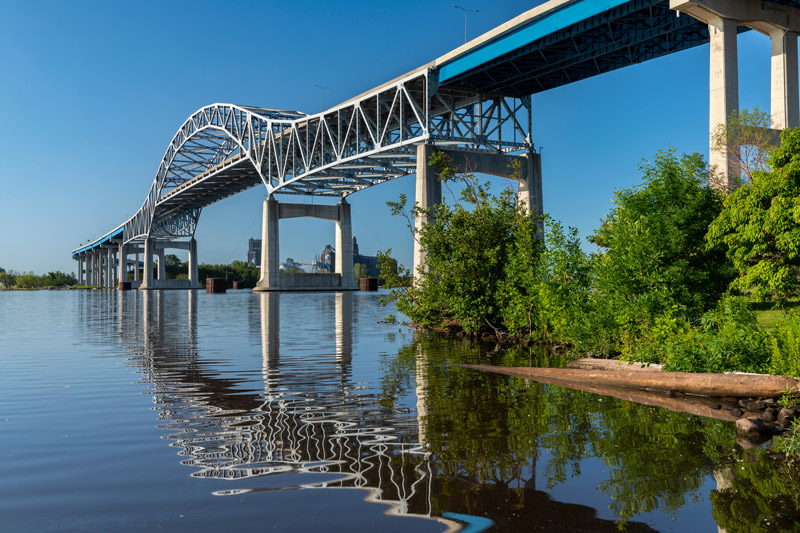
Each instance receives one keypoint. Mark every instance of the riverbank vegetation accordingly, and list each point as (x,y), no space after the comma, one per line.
(678,268)
(11,280)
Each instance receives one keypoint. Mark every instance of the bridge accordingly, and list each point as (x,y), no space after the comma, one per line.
(473,103)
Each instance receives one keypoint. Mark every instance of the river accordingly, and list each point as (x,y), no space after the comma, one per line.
(186,411)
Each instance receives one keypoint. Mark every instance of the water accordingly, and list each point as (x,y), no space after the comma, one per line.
(183,411)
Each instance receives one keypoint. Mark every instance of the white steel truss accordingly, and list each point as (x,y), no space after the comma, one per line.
(223,149)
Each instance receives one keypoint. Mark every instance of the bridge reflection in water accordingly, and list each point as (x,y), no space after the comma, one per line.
(286,412)
(310,419)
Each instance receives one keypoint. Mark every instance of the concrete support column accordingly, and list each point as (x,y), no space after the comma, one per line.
(162,265)
(724,95)
(89,268)
(785,97)
(344,246)
(428,194)
(147,282)
(136,270)
(194,277)
(270,262)
(529,196)
(109,267)
(80,271)
(123,264)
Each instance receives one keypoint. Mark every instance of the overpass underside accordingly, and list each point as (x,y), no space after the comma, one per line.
(526,62)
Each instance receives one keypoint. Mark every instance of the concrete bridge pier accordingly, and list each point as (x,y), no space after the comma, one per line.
(147,282)
(723,17)
(274,280)
(526,169)
(88,274)
(80,276)
(158,249)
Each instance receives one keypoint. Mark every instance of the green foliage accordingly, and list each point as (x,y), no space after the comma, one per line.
(236,271)
(174,267)
(545,290)
(785,346)
(360,271)
(728,338)
(655,259)
(29,280)
(760,227)
(748,140)
(789,442)
(486,266)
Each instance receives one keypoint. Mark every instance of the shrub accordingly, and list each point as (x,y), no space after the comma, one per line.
(785,346)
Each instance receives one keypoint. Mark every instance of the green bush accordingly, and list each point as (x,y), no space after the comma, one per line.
(785,346)
(725,339)
(654,258)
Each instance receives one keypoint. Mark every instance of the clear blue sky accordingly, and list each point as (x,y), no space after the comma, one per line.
(92,92)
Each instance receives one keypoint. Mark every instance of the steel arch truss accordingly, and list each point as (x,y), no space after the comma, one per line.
(223,149)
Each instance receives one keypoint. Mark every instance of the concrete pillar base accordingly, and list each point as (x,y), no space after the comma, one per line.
(273,280)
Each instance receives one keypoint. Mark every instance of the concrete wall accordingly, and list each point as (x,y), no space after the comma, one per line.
(309,282)
(171,284)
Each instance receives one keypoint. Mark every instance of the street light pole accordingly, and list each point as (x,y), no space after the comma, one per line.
(465,10)
(322,91)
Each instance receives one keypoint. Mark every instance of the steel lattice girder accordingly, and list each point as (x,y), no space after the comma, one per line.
(628,34)
(224,149)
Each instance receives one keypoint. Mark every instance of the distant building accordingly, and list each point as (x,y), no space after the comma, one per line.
(327,258)
(254,251)
(370,261)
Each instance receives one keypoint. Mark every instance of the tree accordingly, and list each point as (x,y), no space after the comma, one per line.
(466,244)
(360,271)
(6,278)
(655,258)
(748,139)
(760,227)
(174,266)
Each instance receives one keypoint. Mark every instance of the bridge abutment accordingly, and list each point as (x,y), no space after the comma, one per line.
(274,280)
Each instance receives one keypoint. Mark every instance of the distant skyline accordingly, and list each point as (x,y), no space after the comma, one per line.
(93,92)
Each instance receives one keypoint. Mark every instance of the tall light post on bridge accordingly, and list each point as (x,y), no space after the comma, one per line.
(322,91)
(466,11)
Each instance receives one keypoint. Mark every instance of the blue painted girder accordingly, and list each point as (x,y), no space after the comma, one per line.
(577,41)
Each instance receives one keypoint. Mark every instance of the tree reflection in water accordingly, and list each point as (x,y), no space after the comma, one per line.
(476,444)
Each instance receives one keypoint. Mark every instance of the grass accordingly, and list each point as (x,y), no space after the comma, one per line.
(768,315)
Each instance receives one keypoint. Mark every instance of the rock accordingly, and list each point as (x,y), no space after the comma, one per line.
(751,428)
(672,394)
(736,412)
(715,406)
(786,414)
(752,405)
(770,414)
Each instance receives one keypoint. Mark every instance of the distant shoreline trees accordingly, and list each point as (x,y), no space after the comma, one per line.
(10,280)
